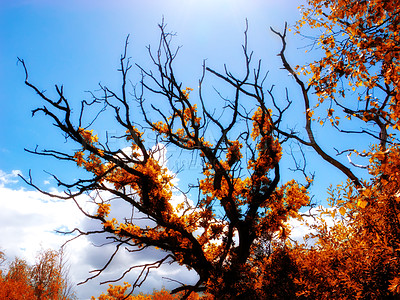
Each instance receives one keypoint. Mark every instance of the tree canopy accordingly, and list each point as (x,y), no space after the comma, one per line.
(236,234)
(46,279)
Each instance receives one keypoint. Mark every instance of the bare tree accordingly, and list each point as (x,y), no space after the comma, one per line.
(242,207)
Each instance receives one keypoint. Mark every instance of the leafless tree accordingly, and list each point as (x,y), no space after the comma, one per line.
(243,219)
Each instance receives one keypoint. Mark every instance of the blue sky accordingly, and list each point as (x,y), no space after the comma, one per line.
(78,44)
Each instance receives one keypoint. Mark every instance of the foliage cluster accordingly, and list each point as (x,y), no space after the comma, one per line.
(118,292)
(46,280)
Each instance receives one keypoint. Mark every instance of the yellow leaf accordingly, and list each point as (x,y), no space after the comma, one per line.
(362,203)
(342,210)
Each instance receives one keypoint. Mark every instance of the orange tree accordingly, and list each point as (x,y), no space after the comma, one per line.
(46,279)
(49,276)
(16,284)
(359,73)
(241,207)
(231,235)
(357,255)
(116,292)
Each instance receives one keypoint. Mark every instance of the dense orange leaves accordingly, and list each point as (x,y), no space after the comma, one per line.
(88,136)
(116,292)
(356,254)
(46,275)
(103,210)
(15,284)
(42,281)
(261,122)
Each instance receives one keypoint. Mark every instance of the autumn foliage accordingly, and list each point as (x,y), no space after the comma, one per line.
(236,234)
(356,255)
(360,41)
(118,292)
(44,280)
(16,284)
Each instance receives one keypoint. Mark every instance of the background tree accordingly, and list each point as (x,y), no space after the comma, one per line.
(48,276)
(44,280)
(358,256)
(116,292)
(16,283)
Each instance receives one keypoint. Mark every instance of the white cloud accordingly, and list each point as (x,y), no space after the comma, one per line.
(8,178)
(30,218)
(299,229)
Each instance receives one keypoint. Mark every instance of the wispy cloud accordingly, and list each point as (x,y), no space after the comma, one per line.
(9,178)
